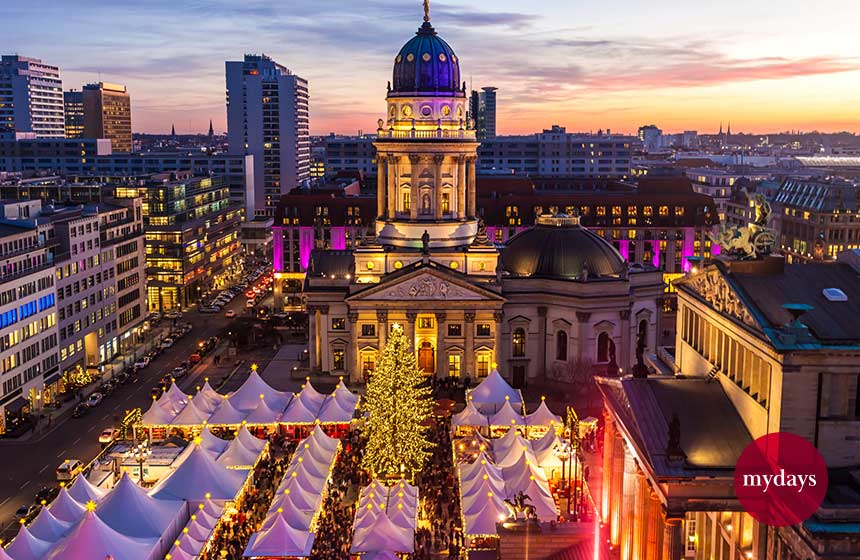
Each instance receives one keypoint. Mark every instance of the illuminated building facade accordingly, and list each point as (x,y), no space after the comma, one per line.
(192,236)
(73,110)
(31,97)
(107,114)
(745,367)
(555,295)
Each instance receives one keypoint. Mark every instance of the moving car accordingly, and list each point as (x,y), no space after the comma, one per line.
(179,371)
(27,511)
(167,343)
(80,410)
(94,399)
(69,469)
(250,304)
(230,314)
(108,435)
(46,494)
(195,358)
(142,362)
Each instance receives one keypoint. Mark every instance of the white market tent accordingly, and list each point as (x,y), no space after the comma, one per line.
(200,476)
(237,456)
(489,396)
(382,535)
(470,416)
(542,416)
(93,538)
(157,415)
(279,539)
(299,413)
(385,518)
(65,508)
(212,443)
(334,411)
(250,441)
(209,396)
(173,400)
(507,416)
(226,414)
(129,510)
(263,413)
(47,527)
(247,396)
(190,415)
(25,546)
(83,491)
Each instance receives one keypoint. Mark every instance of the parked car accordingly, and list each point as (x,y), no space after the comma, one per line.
(27,511)
(142,362)
(108,435)
(46,494)
(123,377)
(167,343)
(195,358)
(207,309)
(179,371)
(94,399)
(80,410)
(250,304)
(172,315)
(106,389)
(230,314)
(69,469)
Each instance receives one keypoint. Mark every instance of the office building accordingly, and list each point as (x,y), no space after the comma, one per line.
(31,97)
(482,111)
(267,117)
(73,108)
(651,137)
(192,235)
(107,114)
(350,153)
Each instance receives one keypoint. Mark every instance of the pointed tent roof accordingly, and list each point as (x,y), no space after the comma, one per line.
(47,527)
(469,416)
(507,416)
(177,553)
(509,439)
(198,531)
(247,396)
(383,535)
(236,455)
(514,454)
(157,415)
(206,398)
(544,449)
(279,539)
(227,414)
(293,497)
(490,394)
(402,516)
(336,411)
(542,500)
(190,415)
(202,518)
(481,517)
(129,510)
(403,486)
(343,394)
(187,543)
(299,413)
(319,436)
(263,413)
(212,443)
(174,399)
(471,474)
(481,488)
(65,508)
(198,476)
(249,440)
(519,476)
(25,546)
(3,555)
(83,491)
(542,416)
(310,396)
(93,538)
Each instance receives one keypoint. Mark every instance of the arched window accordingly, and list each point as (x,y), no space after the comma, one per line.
(518,341)
(561,346)
(605,348)
(425,203)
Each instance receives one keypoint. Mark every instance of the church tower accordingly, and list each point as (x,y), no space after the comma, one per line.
(426,150)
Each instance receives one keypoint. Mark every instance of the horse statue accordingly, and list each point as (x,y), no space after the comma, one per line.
(737,240)
(519,508)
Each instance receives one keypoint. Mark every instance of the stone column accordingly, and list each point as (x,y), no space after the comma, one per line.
(640,515)
(437,160)
(391,166)
(658,324)
(381,331)
(654,527)
(615,500)
(673,537)
(323,325)
(441,365)
(415,172)
(380,186)
(628,499)
(461,187)
(473,172)
(497,338)
(582,318)
(469,325)
(353,355)
(542,336)
(608,454)
(313,338)
(409,328)
(624,357)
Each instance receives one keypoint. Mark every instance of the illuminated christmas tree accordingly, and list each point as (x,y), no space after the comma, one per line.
(398,402)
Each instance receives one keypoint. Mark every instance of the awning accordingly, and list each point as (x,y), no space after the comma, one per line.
(16,405)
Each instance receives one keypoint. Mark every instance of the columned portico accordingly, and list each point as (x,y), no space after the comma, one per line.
(441,356)
(469,325)
(411,316)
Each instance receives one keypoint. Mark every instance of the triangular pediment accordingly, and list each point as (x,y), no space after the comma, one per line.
(425,284)
(712,286)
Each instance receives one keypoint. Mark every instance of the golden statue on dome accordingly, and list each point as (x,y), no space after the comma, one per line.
(426,10)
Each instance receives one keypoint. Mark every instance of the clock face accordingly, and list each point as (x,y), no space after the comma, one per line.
(446,110)
(407,110)
(393,111)
(426,110)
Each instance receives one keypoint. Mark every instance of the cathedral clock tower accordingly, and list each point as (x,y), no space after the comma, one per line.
(426,150)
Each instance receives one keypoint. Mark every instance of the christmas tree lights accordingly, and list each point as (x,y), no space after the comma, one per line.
(398,403)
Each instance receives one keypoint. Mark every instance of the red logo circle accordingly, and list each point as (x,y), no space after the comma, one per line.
(781,479)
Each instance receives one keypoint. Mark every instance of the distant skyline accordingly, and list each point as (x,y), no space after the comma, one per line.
(583,66)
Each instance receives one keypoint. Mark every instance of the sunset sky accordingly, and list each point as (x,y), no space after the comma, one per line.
(765,66)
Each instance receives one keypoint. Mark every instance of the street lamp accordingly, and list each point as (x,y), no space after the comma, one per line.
(139,453)
(562,451)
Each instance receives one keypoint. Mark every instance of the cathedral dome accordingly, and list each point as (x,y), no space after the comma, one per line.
(426,65)
(559,247)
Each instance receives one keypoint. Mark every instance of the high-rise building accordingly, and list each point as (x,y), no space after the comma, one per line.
(267,116)
(651,137)
(107,114)
(73,108)
(482,107)
(31,97)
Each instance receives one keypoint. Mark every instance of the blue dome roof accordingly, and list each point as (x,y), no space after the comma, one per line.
(427,65)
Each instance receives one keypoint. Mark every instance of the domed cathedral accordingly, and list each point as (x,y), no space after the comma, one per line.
(555,300)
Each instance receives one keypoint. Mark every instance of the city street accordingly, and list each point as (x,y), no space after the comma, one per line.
(30,465)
